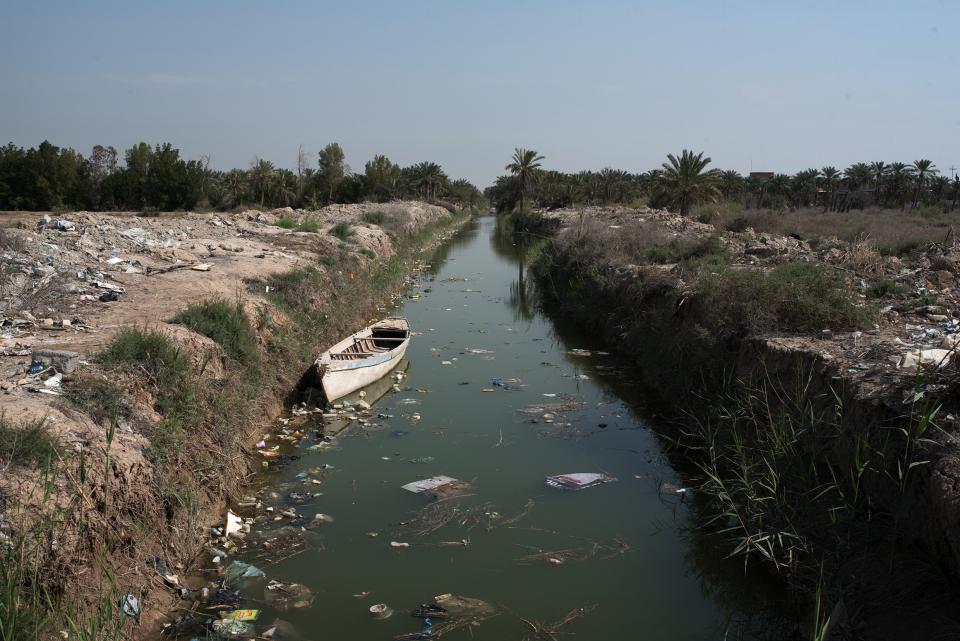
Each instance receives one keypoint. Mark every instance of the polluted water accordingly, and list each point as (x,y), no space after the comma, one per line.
(421,507)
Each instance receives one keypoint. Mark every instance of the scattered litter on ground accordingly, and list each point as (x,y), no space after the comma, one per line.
(130,605)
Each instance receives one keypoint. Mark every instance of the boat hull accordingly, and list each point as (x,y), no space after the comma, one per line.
(343,378)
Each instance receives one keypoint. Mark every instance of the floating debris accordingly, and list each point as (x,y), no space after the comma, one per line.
(578,480)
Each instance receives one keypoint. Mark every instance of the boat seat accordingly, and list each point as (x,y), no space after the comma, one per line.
(349,356)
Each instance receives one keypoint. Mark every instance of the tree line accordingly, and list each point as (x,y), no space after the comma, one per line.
(156,177)
(685,181)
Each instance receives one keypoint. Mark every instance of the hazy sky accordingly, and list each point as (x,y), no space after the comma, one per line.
(784,85)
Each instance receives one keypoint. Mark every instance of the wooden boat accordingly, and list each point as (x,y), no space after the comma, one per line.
(362,358)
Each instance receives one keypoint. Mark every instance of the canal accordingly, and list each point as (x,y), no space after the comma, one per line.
(500,395)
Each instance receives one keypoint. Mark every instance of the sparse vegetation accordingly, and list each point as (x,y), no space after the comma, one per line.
(25,443)
(285,222)
(99,397)
(342,230)
(226,324)
(169,374)
(373,217)
(886,287)
(309,224)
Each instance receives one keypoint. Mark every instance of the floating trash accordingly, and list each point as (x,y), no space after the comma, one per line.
(578,481)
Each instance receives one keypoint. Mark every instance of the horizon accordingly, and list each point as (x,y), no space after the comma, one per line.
(605,86)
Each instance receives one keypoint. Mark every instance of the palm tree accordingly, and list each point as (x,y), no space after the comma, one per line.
(923,169)
(829,182)
(879,169)
(899,176)
(284,187)
(779,189)
(586,187)
(939,186)
(730,183)
(612,182)
(686,183)
(426,178)
(525,162)
(261,174)
(805,187)
(856,176)
(235,184)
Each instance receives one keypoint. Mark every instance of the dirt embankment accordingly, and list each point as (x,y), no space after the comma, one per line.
(108,501)
(862,344)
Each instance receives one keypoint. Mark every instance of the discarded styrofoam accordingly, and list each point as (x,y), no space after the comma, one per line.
(60,360)
(428,485)
(926,358)
(578,480)
(108,286)
(234,524)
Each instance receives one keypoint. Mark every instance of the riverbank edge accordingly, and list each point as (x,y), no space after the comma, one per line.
(799,380)
(114,523)
(389,277)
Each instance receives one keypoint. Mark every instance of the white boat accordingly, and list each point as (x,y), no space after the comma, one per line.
(362,358)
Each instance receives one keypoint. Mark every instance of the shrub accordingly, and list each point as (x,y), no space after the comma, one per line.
(149,349)
(326,261)
(309,224)
(737,225)
(793,297)
(342,230)
(151,352)
(902,248)
(886,286)
(369,253)
(29,444)
(373,217)
(226,324)
(929,212)
(677,251)
(101,399)
(285,223)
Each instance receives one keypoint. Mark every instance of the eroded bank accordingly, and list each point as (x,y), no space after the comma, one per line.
(188,333)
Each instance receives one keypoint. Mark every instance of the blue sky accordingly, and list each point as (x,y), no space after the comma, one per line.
(779,85)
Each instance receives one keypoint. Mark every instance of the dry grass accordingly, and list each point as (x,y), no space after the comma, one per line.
(10,241)
(862,257)
(634,242)
(888,229)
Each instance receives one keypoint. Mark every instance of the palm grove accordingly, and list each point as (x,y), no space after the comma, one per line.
(684,182)
(48,177)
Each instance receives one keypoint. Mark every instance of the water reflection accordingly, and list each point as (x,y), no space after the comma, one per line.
(517,247)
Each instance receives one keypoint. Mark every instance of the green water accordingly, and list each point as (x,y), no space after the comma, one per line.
(670,584)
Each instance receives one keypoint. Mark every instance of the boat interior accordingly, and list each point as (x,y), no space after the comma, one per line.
(381,339)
